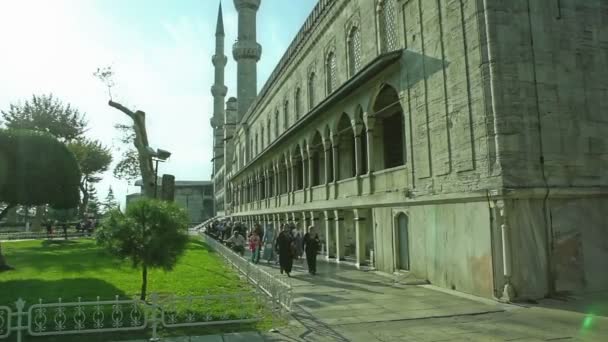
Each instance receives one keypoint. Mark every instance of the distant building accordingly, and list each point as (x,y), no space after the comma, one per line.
(194,196)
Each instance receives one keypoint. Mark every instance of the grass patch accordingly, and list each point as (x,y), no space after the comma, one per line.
(52,269)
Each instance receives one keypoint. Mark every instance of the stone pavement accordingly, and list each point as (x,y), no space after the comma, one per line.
(342,303)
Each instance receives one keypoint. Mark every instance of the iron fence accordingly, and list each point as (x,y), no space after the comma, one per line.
(41,235)
(278,289)
(80,317)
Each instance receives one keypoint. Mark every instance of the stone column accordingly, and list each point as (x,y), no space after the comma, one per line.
(310,173)
(336,169)
(340,236)
(357,134)
(362,233)
(304,222)
(304,175)
(370,120)
(330,234)
(327,156)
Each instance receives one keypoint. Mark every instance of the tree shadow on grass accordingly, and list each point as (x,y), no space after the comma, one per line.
(31,290)
(199,244)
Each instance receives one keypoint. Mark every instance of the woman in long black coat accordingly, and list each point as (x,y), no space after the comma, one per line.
(286,249)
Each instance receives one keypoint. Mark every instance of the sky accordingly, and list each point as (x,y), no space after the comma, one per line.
(160,51)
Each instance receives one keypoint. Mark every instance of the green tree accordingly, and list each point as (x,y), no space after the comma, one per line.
(36,169)
(93,205)
(152,234)
(110,202)
(93,159)
(45,113)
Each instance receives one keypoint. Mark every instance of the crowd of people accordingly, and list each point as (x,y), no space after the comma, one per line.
(86,226)
(283,249)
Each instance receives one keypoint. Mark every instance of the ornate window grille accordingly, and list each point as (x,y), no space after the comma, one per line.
(387,21)
(330,72)
(354,50)
(297,103)
(286,115)
(311,90)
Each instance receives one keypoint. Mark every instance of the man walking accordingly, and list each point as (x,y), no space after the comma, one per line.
(312,243)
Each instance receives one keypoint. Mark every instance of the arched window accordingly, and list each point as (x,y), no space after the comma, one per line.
(330,72)
(354,50)
(386,19)
(268,130)
(390,125)
(297,103)
(262,138)
(286,115)
(276,124)
(311,90)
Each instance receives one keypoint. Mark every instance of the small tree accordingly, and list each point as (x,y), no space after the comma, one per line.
(152,233)
(110,202)
(93,205)
(94,159)
(36,169)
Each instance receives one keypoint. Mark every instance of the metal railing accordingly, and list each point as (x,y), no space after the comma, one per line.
(129,315)
(58,234)
(277,289)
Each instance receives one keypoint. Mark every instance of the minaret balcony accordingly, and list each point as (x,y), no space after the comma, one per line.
(246,50)
(219,90)
(219,60)
(250,4)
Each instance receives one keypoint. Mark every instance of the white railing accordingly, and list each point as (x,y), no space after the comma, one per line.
(278,290)
(57,234)
(121,315)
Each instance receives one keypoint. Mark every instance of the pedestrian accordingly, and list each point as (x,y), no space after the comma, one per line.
(254,245)
(312,244)
(299,244)
(268,240)
(49,229)
(286,248)
(238,243)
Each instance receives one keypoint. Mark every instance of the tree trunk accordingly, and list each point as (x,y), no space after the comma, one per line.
(141,144)
(85,198)
(4,266)
(37,223)
(144,282)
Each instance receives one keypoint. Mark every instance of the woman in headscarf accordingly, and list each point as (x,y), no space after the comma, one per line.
(286,248)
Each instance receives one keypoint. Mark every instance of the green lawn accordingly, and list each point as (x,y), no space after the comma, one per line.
(79,268)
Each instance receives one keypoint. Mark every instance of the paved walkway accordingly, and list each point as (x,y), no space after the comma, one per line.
(342,303)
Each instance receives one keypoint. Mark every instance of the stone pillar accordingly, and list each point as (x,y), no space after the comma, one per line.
(310,173)
(304,175)
(362,233)
(330,234)
(340,236)
(327,156)
(358,155)
(370,120)
(336,169)
(304,222)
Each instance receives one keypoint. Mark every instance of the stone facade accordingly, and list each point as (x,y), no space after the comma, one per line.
(462,141)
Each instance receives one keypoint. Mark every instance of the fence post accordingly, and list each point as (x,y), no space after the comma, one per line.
(154,318)
(20,304)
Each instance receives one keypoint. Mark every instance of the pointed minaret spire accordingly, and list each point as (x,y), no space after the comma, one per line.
(218,90)
(219,29)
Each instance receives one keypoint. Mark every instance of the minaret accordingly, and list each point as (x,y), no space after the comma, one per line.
(218,90)
(246,52)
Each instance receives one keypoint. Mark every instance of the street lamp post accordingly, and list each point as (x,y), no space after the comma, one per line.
(158,155)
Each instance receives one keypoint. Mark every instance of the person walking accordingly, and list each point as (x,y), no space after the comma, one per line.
(267,241)
(238,242)
(254,245)
(312,244)
(285,246)
(299,243)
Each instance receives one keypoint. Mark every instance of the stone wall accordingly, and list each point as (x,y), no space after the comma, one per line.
(450,244)
(552,67)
